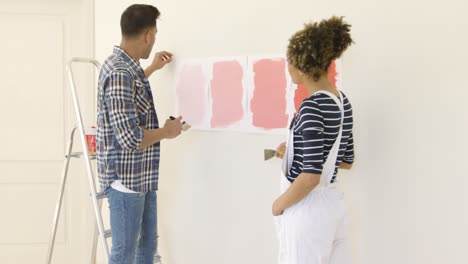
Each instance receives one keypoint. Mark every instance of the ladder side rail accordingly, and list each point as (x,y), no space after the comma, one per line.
(89,170)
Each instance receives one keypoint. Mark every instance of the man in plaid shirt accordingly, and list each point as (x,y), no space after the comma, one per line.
(128,138)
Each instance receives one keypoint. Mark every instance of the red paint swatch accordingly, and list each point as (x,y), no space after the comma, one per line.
(332,73)
(191,93)
(268,104)
(227,94)
(301,92)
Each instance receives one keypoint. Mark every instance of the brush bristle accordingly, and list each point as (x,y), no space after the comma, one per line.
(185,127)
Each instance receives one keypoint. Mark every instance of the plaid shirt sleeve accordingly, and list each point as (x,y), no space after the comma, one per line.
(122,110)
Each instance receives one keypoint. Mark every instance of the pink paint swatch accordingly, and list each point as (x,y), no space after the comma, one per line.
(301,92)
(268,104)
(227,94)
(192,94)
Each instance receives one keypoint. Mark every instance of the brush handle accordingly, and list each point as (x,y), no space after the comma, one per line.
(185,126)
(173,118)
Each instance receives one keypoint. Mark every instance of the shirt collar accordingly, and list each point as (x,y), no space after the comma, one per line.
(118,51)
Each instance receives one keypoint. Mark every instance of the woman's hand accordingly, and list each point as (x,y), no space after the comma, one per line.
(280,150)
(276,209)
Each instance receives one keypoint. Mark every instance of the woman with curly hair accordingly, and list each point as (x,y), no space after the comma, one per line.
(310,212)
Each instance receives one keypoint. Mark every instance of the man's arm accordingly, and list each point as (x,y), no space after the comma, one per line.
(160,60)
(124,118)
(152,136)
(171,129)
(122,110)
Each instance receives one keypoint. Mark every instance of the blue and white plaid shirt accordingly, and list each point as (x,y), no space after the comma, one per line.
(125,109)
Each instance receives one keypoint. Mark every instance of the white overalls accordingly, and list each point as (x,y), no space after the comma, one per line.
(313,230)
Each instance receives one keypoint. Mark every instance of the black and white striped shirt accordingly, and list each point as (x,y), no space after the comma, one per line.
(316,128)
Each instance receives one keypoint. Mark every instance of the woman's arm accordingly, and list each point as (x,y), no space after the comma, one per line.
(345,166)
(348,158)
(310,125)
(302,186)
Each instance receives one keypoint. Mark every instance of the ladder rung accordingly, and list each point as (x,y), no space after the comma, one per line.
(107,233)
(80,155)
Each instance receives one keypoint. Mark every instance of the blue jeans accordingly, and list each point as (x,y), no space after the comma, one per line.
(133,220)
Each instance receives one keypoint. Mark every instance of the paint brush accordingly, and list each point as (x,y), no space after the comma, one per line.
(269,153)
(185,126)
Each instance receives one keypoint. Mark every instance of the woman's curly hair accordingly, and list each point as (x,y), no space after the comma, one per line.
(312,49)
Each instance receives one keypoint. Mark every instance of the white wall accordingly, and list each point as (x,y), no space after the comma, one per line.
(38,38)
(405,76)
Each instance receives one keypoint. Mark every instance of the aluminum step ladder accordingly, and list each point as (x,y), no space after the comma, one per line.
(96,197)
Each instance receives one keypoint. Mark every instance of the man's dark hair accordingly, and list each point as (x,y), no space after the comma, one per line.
(137,18)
